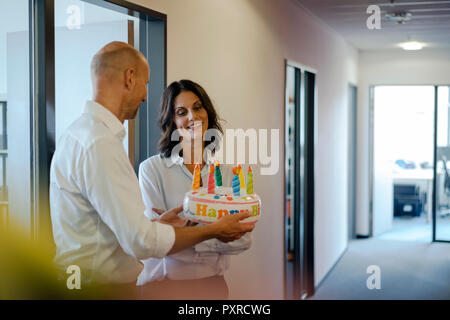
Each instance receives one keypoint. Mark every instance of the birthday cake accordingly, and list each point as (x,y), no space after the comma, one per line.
(207,205)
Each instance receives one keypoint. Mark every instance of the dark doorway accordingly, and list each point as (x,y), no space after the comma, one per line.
(299,181)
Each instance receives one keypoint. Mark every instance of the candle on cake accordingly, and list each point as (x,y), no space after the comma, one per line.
(196,182)
(249,181)
(218,175)
(211,180)
(235,183)
(212,203)
(241,177)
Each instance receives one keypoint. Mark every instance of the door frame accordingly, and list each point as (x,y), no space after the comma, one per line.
(352,158)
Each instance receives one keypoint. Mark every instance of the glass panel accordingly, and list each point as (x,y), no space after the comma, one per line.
(15,188)
(289,156)
(289,179)
(443,166)
(403,162)
(81,29)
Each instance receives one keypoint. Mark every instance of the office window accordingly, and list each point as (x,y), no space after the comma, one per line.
(15,172)
(3,155)
(84,27)
(35,110)
(81,29)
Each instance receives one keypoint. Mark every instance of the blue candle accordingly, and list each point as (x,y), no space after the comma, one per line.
(236,186)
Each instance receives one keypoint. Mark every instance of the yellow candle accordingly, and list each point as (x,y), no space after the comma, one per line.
(250,181)
(241,177)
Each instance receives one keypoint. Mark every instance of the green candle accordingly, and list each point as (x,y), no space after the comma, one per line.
(218,175)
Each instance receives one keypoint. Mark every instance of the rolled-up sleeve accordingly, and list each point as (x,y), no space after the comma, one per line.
(150,190)
(113,190)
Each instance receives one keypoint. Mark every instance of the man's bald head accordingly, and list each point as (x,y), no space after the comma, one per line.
(120,75)
(116,57)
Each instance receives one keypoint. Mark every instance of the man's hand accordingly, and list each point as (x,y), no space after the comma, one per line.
(229,228)
(171,217)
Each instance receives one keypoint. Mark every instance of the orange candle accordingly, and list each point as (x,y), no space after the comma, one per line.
(196,183)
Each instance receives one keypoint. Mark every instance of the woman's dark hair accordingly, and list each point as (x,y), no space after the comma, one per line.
(167,112)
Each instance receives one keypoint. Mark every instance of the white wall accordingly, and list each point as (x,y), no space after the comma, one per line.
(236,49)
(429,66)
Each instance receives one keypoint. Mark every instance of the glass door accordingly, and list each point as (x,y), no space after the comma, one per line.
(403,127)
(441,214)
(291,111)
(411,162)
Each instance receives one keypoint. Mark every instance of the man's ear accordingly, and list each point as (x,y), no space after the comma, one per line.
(130,78)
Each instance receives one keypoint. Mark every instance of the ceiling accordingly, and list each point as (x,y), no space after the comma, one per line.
(430,22)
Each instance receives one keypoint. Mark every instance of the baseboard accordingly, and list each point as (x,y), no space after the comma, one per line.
(331,269)
(361,236)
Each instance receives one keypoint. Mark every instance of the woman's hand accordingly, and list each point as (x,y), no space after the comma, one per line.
(171,217)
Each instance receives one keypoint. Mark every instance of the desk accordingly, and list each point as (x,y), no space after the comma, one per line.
(417,176)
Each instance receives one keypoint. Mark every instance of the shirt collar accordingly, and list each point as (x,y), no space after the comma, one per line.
(175,159)
(107,117)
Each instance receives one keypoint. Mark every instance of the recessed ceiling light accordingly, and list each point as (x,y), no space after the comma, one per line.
(412,45)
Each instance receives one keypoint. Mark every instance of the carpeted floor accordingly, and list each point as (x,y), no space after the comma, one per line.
(417,229)
(411,266)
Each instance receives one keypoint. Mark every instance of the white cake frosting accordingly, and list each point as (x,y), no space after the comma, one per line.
(203,207)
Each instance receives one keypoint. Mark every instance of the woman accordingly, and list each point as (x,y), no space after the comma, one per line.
(195,273)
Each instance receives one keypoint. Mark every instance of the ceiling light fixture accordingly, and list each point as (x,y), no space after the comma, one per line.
(399,17)
(412,45)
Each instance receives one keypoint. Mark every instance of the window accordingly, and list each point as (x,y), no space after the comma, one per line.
(47,81)
(15,151)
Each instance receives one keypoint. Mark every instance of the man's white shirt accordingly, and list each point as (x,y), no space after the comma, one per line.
(96,205)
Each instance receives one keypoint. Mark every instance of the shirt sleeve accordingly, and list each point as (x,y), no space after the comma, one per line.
(111,186)
(151,190)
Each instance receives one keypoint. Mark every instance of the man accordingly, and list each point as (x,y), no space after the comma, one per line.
(96,205)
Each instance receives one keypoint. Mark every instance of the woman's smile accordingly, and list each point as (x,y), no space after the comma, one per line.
(195,125)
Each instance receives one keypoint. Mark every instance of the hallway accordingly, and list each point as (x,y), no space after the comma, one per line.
(414,269)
